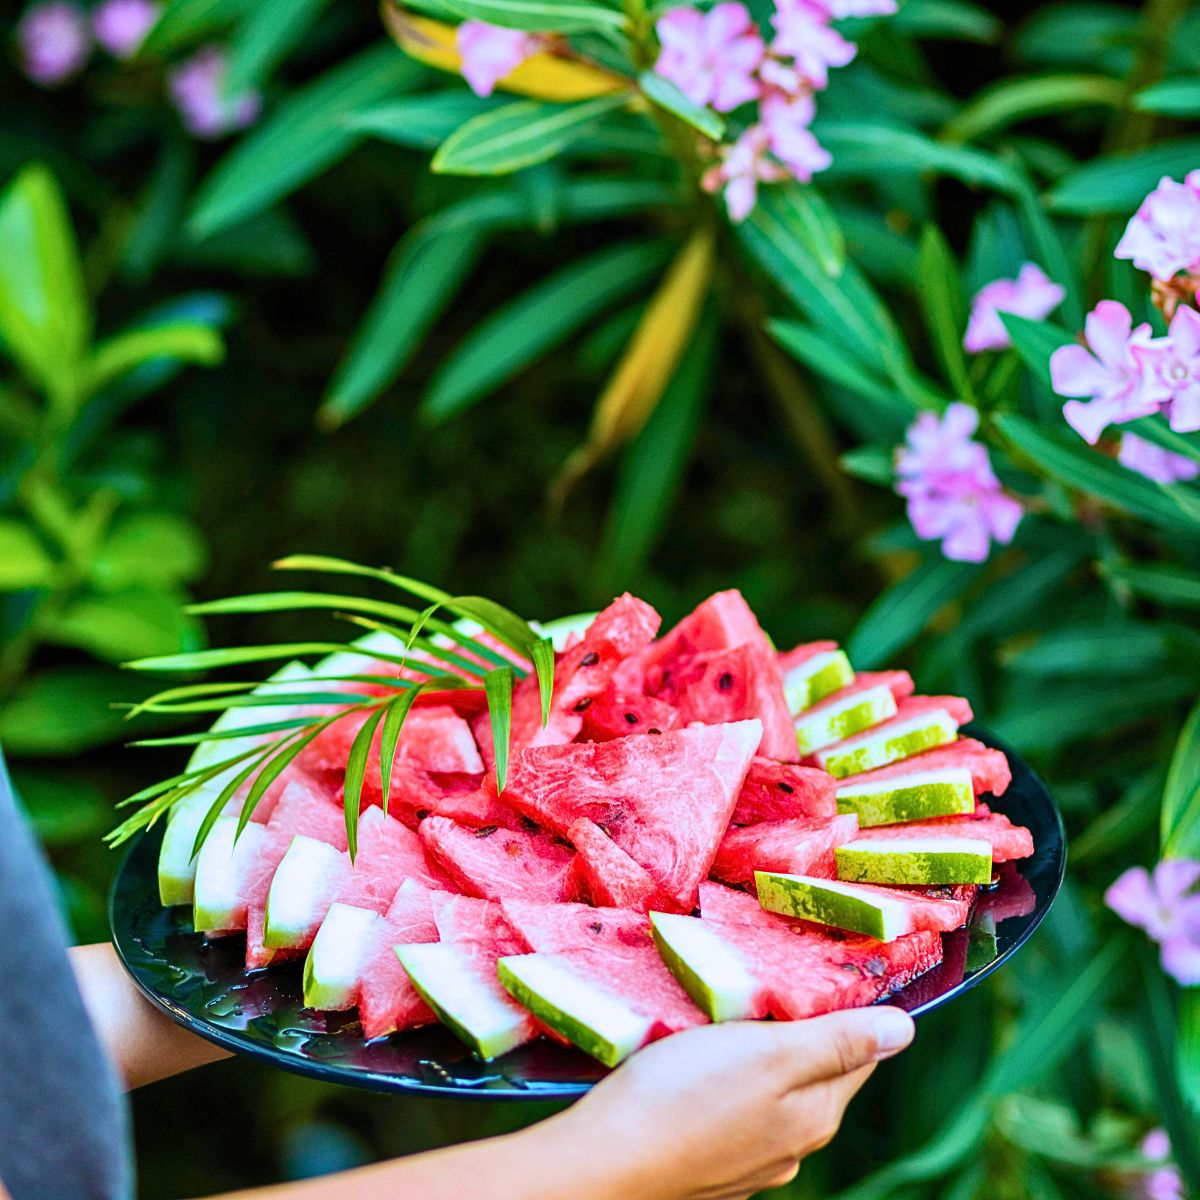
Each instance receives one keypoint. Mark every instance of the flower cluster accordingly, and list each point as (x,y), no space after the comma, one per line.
(1032,294)
(1163,237)
(952,492)
(719,58)
(1166,904)
(56,38)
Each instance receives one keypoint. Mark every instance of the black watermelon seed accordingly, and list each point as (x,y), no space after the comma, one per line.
(486,830)
(725,682)
(590,659)
(786,787)
(584,704)
(631,718)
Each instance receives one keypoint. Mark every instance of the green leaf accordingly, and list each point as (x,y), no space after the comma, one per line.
(940,293)
(1187,1049)
(24,562)
(899,615)
(498,685)
(1164,584)
(185,21)
(541,16)
(519,135)
(666,95)
(1155,429)
(206,660)
(536,321)
(120,625)
(946,19)
(1120,826)
(265,37)
(542,654)
(1072,462)
(1180,813)
(873,463)
(1034,342)
(1105,651)
(424,121)
(183,342)
(342,566)
(44,318)
(156,550)
(394,714)
(1171,98)
(1118,183)
(356,769)
(1021,99)
(63,811)
(305,135)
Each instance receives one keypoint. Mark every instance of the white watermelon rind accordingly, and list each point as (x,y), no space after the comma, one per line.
(705,965)
(831,902)
(816,678)
(843,718)
(334,964)
(944,792)
(880,748)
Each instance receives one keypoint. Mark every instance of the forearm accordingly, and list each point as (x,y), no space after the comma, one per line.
(142,1043)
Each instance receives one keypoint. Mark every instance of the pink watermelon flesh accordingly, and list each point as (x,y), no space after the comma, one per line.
(719,686)
(494,863)
(795,846)
(665,800)
(480,807)
(721,622)
(552,927)
(1009,841)
(300,810)
(789,659)
(463,920)
(387,999)
(615,715)
(989,768)
(582,673)
(610,877)
(776,791)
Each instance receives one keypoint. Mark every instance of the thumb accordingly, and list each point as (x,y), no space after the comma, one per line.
(826,1047)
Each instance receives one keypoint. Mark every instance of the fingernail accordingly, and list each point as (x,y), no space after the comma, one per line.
(894,1030)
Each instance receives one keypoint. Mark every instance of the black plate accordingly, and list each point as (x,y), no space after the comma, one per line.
(202,984)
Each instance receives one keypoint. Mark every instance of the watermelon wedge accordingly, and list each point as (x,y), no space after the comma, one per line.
(916,860)
(796,846)
(495,863)
(665,800)
(843,714)
(552,927)
(1008,841)
(920,723)
(775,791)
(989,768)
(915,796)
(610,877)
(813,671)
(878,912)
(616,714)
(721,622)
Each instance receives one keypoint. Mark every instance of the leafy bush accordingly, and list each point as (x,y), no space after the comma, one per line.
(439,276)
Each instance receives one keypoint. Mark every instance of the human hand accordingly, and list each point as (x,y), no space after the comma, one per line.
(720,1112)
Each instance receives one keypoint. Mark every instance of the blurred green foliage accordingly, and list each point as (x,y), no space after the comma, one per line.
(304,339)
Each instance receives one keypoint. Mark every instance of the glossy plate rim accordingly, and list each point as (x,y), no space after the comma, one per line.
(1043,873)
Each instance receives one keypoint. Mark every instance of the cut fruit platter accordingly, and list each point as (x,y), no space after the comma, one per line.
(601,838)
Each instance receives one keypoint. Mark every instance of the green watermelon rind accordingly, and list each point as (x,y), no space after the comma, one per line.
(916,862)
(859,711)
(831,903)
(916,797)
(870,750)
(711,993)
(328,985)
(570,1026)
(818,677)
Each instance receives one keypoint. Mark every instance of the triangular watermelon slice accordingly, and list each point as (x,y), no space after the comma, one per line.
(989,768)
(776,791)
(1008,841)
(796,845)
(616,714)
(665,800)
(610,877)
(721,622)
(552,927)
(495,863)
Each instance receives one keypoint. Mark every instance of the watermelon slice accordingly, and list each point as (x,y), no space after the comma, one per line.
(719,686)
(864,703)
(495,863)
(915,796)
(610,877)
(615,715)
(795,845)
(721,622)
(920,723)
(776,791)
(665,800)
(813,671)
(1008,841)
(989,768)
(916,860)
(878,912)
(552,927)
(313,874)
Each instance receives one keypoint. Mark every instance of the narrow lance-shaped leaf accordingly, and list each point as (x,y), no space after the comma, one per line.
(1180,813)
(195,739)
(342,566)
(394,714)
(356,768)
(541,16)
(498,685)
(1034,342)
(942,302)
(542,654)
(666,95)
(1015,100)
(203,660)
(217,807)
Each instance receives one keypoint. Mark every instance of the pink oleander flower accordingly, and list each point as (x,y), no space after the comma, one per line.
(121,26)
(787,122)
(1163,236)
(489,52)
(54,42)
(1167,906)
(1162,1182)
(711,57)
(197,87)
(952,492)
(743,166)
(803,33)
(1172,370)
(1032,294)
(1162,466)
(838,9)
(1106,370)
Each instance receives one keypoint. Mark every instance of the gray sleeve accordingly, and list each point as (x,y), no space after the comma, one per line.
(64,1132)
